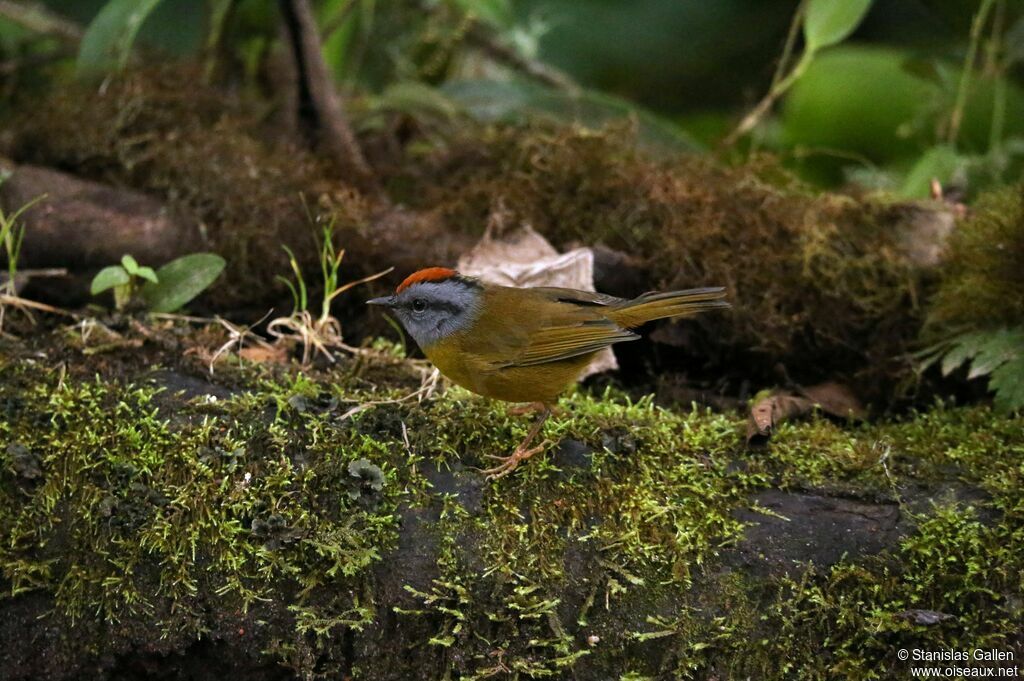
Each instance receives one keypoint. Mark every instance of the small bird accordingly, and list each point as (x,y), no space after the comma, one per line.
(524,344)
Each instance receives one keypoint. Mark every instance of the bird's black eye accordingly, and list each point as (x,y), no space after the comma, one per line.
(419,305)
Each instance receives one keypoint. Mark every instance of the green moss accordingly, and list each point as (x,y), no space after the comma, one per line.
(818,283)
(849,621)
(134,513)
(595,557)
(983,279)
(161,131)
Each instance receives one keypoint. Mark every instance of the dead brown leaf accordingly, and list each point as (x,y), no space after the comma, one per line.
(265,354)
(833,399)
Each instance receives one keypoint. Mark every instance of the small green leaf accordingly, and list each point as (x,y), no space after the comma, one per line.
(416,98)
(938,163)
(998,354)
(147,273)
(181,280)
(964,348)
(130,265)
(828,22)
(997,348)
(108,277)
(107,42)
(1008,383)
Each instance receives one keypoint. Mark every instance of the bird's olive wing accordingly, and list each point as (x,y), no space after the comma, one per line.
(527,327)
(556,343)
(574,297)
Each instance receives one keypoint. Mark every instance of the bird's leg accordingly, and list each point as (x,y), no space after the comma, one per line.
(533,408)
(522,452)
(528,408)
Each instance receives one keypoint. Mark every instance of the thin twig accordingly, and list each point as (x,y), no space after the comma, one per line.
(338,20)
(18,301)
(114,345)
(956,118)
(237,335)
(482,39)
(780,83)
(428,385)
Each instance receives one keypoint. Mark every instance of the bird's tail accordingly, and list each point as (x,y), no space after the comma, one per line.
(651,306)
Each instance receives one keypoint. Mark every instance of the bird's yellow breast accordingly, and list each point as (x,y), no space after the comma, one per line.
(539,383)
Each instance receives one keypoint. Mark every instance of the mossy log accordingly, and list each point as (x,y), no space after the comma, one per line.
(160,521)
(823,287)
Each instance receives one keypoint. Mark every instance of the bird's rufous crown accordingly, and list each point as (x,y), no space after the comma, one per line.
(429,274)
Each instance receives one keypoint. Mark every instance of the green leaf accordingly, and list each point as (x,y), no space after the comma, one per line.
(107,42)
(147,273)
(130,265)
(1008,383)
(938,163)
(996,349)
(964,348)
(415,98)
(828,22)
(217,15)
(181,280)
(108,277)
(998,354)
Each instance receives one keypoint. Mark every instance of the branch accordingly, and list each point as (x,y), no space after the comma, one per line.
(780,81)
(318,93)
(482,39)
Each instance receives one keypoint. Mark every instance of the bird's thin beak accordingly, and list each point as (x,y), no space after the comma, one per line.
(387,301)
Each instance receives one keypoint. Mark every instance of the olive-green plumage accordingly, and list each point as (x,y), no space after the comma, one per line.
(524,344)
(529,344)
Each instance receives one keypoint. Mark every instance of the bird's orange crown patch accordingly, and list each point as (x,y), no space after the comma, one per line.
(429,274)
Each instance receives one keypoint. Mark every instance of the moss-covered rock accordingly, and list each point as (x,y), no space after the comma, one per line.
(983,278)
(151,516)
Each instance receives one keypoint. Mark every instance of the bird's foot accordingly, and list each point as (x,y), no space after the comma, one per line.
(528,408)
(532,408)
(511,462)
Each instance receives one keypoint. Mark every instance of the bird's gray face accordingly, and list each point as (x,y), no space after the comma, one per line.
(433,310)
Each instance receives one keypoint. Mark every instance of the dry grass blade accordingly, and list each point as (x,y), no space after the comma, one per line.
(428,385)
(24,304)
(364,280)
(318,335)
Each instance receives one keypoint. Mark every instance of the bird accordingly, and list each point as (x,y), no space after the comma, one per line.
(524,344)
